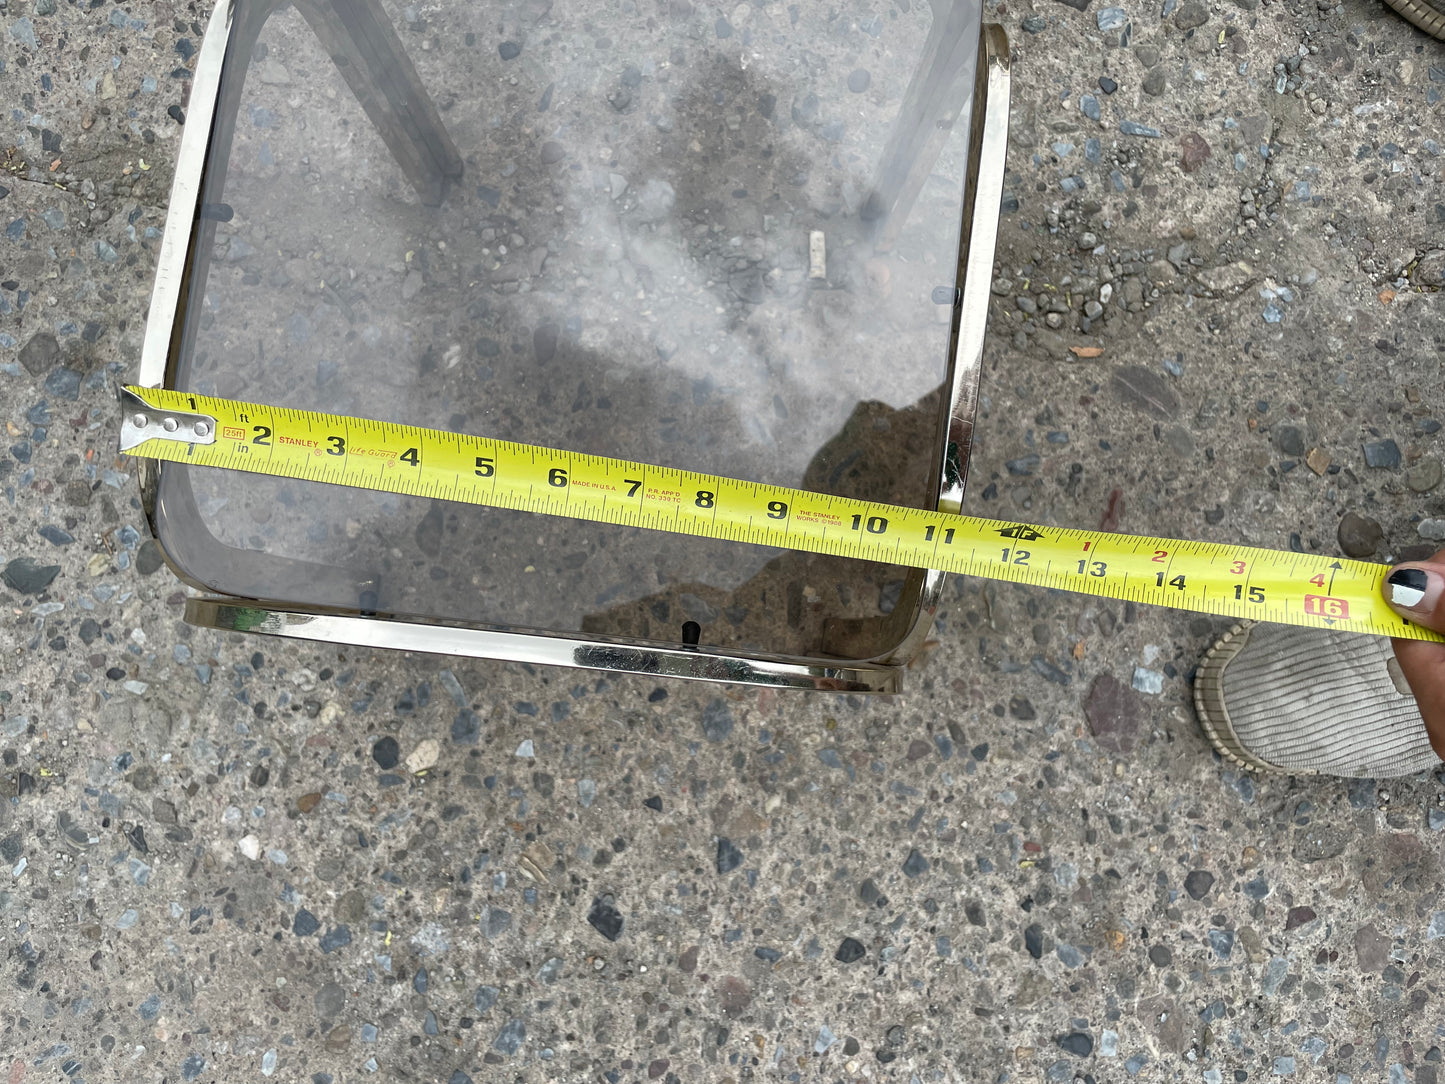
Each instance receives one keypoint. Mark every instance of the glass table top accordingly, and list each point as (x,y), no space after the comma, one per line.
(660,247)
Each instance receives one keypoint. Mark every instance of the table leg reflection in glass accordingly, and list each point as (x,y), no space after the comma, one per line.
(731,249)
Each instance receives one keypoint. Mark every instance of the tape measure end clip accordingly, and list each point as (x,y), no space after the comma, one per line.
(141,422)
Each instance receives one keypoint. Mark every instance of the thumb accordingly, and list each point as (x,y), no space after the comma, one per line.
(1417,591)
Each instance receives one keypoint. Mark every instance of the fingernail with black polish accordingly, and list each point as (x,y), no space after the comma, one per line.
(1407,586)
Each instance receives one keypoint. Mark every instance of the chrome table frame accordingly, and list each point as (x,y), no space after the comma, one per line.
(363,45)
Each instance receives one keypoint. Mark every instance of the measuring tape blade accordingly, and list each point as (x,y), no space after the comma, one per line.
(1206,577)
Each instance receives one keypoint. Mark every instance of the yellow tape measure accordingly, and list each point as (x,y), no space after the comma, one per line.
(1207,577)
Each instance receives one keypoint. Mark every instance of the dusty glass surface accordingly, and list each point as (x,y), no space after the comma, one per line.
(625,266)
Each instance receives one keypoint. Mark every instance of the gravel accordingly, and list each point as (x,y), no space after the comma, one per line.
(1359,536)
(1382,454)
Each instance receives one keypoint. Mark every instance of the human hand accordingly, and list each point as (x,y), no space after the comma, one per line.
(1416,590)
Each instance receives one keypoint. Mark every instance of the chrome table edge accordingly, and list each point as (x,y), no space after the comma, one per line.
(173,260)
(978,236)
(536,647)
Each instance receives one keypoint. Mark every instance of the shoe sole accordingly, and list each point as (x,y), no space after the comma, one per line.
(1426,14)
